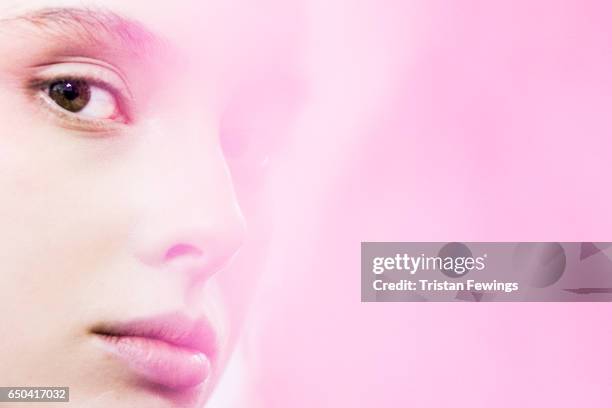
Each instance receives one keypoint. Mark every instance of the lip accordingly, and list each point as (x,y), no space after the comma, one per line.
(171,350)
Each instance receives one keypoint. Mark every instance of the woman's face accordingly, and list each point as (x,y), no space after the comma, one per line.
(126,195)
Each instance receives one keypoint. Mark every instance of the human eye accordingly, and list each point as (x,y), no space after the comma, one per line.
(84,96)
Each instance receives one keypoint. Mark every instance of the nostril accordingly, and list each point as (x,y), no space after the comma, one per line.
(181,250)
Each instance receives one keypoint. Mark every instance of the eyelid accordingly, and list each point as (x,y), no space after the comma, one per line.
(96,73)
(68,67)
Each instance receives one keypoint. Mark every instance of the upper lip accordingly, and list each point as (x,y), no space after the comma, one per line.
(176,329)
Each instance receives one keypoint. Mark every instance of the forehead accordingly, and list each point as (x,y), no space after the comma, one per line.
(213,27)
(228,38)
(174,17)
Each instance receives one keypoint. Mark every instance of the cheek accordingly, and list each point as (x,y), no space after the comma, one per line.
(56,229)
(56,222)
(239,281)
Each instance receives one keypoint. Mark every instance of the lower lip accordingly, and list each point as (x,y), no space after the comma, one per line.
(160,362)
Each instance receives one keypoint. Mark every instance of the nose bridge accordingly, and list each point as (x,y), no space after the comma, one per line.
(190,218)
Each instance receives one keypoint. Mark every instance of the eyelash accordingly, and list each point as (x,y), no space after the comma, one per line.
(39,88)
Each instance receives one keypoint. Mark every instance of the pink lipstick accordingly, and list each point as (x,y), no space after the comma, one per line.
(170,350)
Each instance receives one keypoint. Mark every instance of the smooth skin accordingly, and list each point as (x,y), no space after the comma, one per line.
(136,206)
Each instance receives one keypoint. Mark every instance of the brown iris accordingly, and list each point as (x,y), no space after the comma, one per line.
(72,95)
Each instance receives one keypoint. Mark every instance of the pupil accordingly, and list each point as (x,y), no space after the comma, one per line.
(72,95)
(70,91)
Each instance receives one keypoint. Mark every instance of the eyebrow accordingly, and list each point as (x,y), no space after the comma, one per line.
(92,27)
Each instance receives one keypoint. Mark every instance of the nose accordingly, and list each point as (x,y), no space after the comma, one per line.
(189,220)
(184,242)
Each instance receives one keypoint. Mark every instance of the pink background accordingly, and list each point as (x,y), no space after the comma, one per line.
(437,120)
